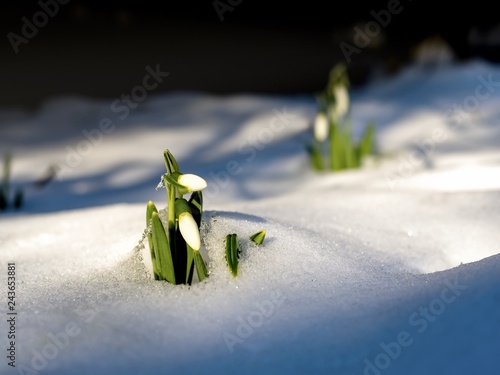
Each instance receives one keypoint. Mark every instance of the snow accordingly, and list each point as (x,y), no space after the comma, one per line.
(391,269)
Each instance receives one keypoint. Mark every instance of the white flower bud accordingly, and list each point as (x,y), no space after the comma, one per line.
(320,127)
(189,230)
(341,100)
(192,182)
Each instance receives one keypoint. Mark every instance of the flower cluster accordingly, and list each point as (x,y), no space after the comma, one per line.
(175,252)
(332,131)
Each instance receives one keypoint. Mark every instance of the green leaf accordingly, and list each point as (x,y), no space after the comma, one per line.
(258,237)
(162,249)
(150,208)
(149,212)
(366,142)
(337,160)
(190,265)
(196,205)
(171,196)
(314,150)
(170,162)
(337,76)
(349,154)
(201,267)
(232,253)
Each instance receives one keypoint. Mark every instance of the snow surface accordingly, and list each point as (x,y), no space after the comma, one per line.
(392,269)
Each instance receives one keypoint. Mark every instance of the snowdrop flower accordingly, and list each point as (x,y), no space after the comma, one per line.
(189,230)
(320,127)
(186,183)
(192,182)
(341,96)
(187,224)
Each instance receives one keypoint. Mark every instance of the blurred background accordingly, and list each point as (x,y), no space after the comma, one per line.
(100,49)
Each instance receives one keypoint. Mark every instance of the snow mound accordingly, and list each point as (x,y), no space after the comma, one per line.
(294,293)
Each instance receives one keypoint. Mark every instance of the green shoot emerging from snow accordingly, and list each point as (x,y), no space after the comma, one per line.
(175,250)
(258,237)
(233,250)
(332,129)
(232,253)
(5,201)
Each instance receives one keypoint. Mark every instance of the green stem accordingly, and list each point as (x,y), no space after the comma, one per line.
(171,195)
(317,156)
(336,150)
(201,267)
(348,148)
(149,213)
(190,264)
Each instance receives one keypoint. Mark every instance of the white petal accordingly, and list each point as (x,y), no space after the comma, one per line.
(192,182)
(320,127)
(342,100)
(189,230)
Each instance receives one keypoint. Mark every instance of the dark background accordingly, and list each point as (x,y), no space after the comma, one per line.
(100,49)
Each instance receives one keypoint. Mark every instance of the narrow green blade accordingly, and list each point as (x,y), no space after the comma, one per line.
(357,156)
(349,155)
(150,208)
(258,237)
(190,265)
(171,228)
(149,212)
(162,249)
(170,162)
(232,253)
(366,142)
(201,267)
(336,149)
(236,252)
(229,254)
(196,205)
(314,151)
(337,76)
